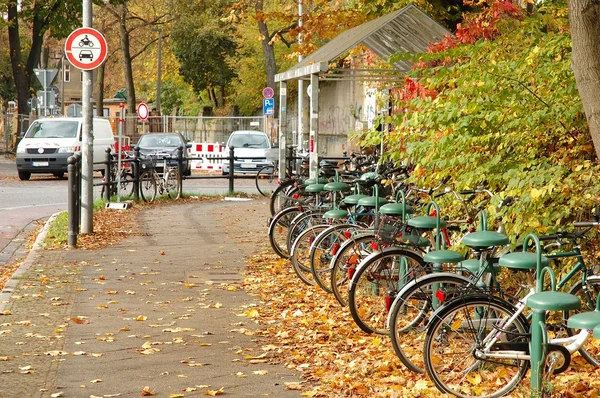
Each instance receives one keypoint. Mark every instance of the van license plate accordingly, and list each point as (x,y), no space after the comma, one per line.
(248,165)
(40,164)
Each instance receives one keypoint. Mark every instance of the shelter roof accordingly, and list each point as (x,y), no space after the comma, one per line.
(407,30)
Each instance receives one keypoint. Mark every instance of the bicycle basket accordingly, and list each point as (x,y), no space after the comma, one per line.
(388,229)
(147,163)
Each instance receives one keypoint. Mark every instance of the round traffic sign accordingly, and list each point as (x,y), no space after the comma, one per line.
(268,92)
(86,48)
(142,111)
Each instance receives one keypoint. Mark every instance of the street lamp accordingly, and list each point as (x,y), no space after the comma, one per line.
(158,76)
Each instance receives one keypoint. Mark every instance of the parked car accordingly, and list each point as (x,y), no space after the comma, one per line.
(49,142)
(165,144)
(250,145)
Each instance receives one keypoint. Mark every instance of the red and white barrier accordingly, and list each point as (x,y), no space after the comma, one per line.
(207,156)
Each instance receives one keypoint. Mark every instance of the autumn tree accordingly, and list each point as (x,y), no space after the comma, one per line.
(132,20)
(584,21)
(204,46)
(56,18)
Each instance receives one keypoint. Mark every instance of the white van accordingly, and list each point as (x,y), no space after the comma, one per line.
(48,143)
(251,147)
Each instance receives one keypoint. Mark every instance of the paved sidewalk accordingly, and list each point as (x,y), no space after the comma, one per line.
(158,311)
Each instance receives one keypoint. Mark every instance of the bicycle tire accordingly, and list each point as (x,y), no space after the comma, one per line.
(147,186)
(375,284)
(589,351)
(410,311)
(278,230)
(449,347)
(300,253)
(126,185)
(266,180)
(173,184)
(322,250)
(345,262)
(309,217)
(279,198)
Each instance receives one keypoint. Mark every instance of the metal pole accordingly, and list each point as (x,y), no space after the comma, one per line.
(107,174)
(282,132)
(87,141)
(300,86)
(159,74)
(231,165)
(62,83)
(314,126)
(72,202)
(120,152)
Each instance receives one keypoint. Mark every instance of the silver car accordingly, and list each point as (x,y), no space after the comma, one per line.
(250,147)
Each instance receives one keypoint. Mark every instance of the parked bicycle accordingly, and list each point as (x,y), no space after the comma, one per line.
(167,182)
(123,182)
(486,335)
(267,179)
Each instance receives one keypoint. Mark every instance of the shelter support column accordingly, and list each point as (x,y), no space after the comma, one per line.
(314,125)
(282,125)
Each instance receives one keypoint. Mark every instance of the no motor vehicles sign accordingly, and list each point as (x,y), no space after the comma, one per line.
(86,48)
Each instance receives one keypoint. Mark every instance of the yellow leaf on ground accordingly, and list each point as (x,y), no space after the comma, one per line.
(147,392)
(214,393)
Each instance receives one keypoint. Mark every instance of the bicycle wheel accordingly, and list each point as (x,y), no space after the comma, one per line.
(307,219)
(126,185)
(173,184)
(345,262)
(458,333)
(280,198)
(411,310)
(375,284)
(590,351)
(147,186)
(278,230)
(300,250)
(266,180)
(322,250)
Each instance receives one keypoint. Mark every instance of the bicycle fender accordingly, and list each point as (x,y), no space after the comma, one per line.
(476,295)
(412,283)
(386,251)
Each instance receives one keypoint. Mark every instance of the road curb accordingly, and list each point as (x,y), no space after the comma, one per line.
(13,282)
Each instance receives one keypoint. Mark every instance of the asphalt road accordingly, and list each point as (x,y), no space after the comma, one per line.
(22,203)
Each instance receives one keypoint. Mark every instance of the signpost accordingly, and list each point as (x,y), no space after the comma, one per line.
(142,111)
(46,98)
(268,92)
(268,106)
(86,49)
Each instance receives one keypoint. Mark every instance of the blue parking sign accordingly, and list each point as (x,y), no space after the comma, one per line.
(268,106)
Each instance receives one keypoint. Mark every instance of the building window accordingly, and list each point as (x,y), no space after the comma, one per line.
(67,72)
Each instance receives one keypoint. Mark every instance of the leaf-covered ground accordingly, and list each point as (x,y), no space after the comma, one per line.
(319,338)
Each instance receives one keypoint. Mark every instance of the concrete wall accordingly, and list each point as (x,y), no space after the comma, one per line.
(345,107)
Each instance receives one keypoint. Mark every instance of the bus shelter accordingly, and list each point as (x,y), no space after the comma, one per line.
(408,30)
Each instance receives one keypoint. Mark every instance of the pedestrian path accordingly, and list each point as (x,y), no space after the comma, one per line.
(160,312)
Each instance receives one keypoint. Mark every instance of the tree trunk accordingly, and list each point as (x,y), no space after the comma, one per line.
(584,18)
(37,40)
(100,90)
(222,96)
(21,81)
(269,53)
(128,70)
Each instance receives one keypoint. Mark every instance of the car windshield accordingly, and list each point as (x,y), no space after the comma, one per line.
(159,141)
(53,129)
(248,141)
